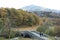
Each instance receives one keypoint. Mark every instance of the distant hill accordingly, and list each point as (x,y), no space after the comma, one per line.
(18,17)
(42,11)
(38,8)
(35,8)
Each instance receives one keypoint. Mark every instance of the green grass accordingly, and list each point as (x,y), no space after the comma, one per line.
(19,38)
(1,38)
(52,38)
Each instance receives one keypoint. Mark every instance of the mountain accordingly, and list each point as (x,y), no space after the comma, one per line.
(31,8)
(41,11)
(35,8)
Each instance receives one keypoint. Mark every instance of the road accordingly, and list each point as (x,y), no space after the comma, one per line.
(36,35)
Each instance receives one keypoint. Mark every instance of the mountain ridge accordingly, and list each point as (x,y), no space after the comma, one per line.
(41,11)
(31,8)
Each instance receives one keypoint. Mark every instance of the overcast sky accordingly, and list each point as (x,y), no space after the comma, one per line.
(53,4)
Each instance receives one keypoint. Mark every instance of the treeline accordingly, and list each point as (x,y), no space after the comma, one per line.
(18,17)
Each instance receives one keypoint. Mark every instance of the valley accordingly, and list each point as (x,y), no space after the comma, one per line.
(43,20)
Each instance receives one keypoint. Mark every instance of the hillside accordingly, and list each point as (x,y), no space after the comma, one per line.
(17,17)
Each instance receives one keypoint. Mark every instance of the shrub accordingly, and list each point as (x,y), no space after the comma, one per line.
(57,30)
(6,34)
(12,35)
(50,31)
(42,29)
(53,31)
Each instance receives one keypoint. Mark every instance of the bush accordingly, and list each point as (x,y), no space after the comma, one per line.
(53,31)
(6,34)
(1,24)
(50,31)
(12,35)
(57,30)
(42,29)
